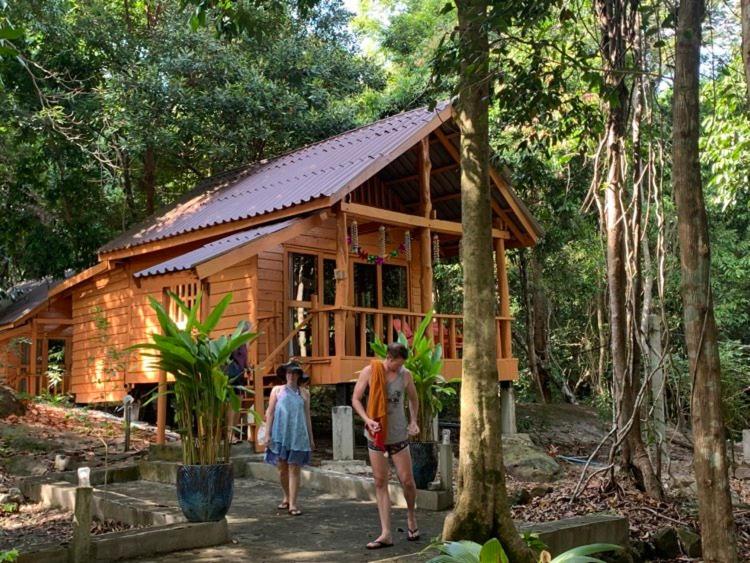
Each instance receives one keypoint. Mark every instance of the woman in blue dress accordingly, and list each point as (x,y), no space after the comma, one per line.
(290,439)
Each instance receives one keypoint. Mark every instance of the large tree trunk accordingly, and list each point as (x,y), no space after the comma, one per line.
(148,179)
(745,17)
(616,26)
(482,510)
(537,324)
(709,451)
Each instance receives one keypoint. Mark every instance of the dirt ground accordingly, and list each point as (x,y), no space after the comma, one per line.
(28,445)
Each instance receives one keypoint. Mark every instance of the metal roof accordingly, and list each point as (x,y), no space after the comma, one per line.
(211,250)
(23,298)
(318,170)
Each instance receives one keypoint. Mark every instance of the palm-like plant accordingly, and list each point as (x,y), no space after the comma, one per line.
(202,390)
(492,552)
(425,362)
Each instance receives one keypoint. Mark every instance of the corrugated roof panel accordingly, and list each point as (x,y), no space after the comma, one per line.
(211,250)
(23,298)
(314,171)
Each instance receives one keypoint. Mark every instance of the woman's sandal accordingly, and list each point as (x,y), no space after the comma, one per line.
(412,535)
(378,544)
(283,506)
(295,512)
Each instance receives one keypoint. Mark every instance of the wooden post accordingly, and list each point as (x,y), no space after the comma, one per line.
(161,400)
(80,548)
(342,284)
(425,235)
(43,379)
(33,360)
(502,284)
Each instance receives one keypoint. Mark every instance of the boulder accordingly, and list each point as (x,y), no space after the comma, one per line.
(25,466)
(690,542)
(13,496)
(742,472)
(519,497)
(526,461)
(666,543)
(10,404)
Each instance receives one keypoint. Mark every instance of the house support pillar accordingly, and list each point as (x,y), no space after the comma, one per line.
(507,408)
(161,399)
(342,283)
(504,334)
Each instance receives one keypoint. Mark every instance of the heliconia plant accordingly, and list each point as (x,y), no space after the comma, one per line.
(492,552)
(202,391)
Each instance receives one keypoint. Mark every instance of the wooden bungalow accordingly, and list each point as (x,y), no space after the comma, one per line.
(32,326)
(322,249)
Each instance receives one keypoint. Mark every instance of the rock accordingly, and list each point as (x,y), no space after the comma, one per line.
(641,550)
(61,462)
(10,404)
(666,543)
(540,491)
(520,497)
(25,466)
(742,472)
(13,496)
(526,461)
(690,542)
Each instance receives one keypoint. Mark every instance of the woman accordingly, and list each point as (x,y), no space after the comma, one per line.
(387,431)
(290,440)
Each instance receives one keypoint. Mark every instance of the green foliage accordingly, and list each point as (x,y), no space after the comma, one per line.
(9,556)
(202,391)
(492,552)
(425,362)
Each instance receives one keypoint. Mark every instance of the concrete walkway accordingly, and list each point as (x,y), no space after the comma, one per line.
(331,529)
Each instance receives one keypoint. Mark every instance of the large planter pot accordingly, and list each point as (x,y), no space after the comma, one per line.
(205,492)
(424,461)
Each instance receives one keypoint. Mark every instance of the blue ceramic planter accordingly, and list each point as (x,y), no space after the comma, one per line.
(205,492)
(424,462)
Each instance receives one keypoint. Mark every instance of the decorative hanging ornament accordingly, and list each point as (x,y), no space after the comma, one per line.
(435,250)
(407,245)
(381,240)
(355,237)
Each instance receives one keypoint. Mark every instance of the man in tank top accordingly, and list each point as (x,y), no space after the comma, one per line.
(391,440)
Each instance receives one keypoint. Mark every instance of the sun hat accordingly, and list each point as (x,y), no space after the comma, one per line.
(291,365)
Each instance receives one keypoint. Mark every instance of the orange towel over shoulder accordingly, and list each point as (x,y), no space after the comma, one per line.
(377,403)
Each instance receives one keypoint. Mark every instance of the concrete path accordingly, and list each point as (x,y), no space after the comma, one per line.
(330,530)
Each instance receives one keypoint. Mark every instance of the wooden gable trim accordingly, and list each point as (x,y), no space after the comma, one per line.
(502,186)
(216,231)
(259,245)
(99,268)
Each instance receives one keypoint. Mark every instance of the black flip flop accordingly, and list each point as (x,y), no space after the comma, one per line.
(412,535)
(295,512)
(378,544)
(283,506)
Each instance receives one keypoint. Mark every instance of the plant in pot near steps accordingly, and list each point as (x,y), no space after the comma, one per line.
(425,363)
(202,396)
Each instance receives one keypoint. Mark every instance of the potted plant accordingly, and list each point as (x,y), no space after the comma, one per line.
(425,362)
(202,395)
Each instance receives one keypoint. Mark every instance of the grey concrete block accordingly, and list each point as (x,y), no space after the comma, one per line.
(161,539)
(165,452)
(158,471)
(351,486)
(44,554)
(565,534)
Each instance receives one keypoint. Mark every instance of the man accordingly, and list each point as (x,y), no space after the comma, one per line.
(387,431)
(236,370)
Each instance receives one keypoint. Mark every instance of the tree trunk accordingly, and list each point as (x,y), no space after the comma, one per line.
(540,313)
(709,451)
(148,180)
(616,30)
(482,510)
(745,17)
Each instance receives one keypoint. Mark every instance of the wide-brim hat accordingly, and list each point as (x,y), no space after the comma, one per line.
(294,366)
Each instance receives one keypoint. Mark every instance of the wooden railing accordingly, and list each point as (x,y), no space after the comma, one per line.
(363,325)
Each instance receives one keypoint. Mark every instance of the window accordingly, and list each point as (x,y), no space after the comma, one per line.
(365,285)
(188,293)
(303,283)
(329,282)
(395,286)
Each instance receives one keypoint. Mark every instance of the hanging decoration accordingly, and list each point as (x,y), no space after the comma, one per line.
(407,245)
(381,240)
(353,242)
(435,250)
(354,238)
